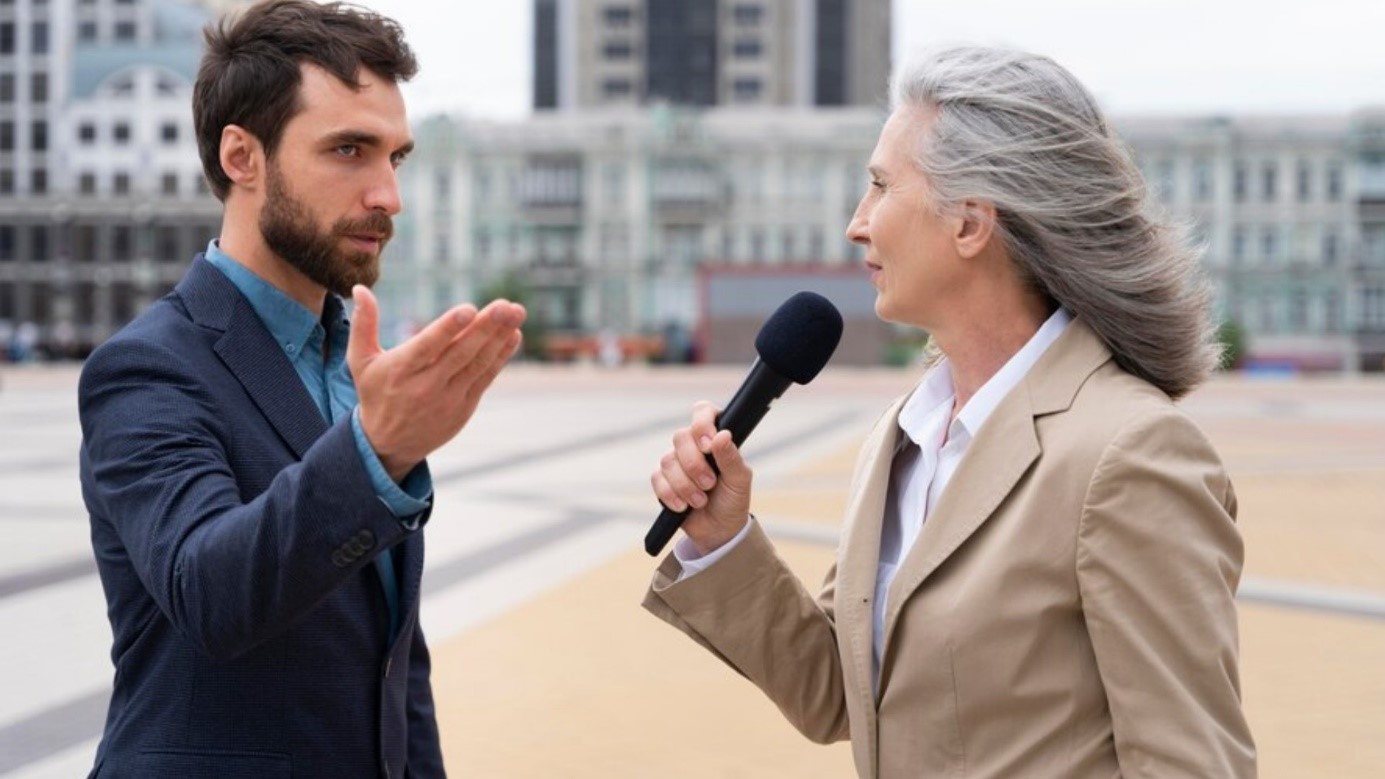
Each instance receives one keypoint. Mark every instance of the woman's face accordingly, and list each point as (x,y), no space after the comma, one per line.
(910,251)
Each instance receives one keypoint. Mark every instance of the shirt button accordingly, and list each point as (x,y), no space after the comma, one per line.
(291,348)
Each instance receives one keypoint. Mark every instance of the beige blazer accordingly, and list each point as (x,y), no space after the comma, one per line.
(1067,610)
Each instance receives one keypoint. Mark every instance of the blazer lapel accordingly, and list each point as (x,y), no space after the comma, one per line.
(859,556)
(995,462)
(251,354)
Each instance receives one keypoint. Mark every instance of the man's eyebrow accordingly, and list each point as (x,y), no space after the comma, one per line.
(361,138)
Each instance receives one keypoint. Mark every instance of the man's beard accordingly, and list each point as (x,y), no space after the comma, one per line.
(289,231)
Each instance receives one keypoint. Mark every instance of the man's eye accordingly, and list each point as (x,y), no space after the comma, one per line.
(877,183)
(398,159)
(348,150)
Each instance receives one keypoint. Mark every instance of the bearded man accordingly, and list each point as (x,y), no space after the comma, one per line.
(252,463)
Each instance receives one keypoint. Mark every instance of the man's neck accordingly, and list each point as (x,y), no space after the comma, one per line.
(248,248)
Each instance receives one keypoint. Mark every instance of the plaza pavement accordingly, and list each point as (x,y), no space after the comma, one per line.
(544,664)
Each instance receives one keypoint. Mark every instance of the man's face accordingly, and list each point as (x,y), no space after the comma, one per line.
(333,257)
(331,189)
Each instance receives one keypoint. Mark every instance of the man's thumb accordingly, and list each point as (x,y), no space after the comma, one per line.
(364,341)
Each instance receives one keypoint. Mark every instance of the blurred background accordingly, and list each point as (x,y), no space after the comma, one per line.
(652,178)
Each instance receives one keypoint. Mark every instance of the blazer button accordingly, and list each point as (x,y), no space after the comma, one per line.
(339,559)
(366,539)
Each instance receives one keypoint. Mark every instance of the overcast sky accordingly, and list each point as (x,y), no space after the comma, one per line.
(1138,56)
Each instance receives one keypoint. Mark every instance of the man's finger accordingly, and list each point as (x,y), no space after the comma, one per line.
(429,345)
(485,340)
(363,342)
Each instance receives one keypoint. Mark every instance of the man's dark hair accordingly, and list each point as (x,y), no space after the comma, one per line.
(250,74)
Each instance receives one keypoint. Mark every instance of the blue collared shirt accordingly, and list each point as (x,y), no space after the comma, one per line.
(318,355)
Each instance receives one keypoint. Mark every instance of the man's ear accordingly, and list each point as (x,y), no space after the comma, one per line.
(242,156)
(974,227)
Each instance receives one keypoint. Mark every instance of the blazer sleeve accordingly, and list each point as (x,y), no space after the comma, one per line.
(226,571)
(425,747)
(751,611)
(1159,559)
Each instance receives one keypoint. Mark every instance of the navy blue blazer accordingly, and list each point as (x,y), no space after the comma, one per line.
(235,534)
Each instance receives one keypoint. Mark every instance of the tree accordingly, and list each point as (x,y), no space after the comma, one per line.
(1232,338)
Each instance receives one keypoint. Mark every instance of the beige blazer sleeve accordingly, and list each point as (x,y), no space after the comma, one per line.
(1158,563)
(751,611)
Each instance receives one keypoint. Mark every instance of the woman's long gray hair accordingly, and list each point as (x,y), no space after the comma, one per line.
(1019,131)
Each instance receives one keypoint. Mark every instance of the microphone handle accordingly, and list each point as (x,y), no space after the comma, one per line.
(745,410)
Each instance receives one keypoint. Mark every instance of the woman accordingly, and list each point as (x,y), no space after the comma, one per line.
(1038,566)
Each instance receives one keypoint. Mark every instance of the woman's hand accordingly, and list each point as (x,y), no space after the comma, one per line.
(684,479)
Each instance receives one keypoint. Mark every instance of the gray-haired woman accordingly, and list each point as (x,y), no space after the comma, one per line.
(1039,562)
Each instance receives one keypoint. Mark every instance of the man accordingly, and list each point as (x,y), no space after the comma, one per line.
(253,465)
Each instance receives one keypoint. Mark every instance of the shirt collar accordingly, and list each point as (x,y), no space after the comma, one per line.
(286,319)
(935,393)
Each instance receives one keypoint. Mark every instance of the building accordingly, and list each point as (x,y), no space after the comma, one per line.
(1292,212)
(614,217)
(604,53)
(611,217)
(102,200)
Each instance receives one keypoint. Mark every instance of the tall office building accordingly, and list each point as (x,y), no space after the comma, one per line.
(601,53)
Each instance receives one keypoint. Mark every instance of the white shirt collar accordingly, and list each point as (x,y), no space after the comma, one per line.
(935,393)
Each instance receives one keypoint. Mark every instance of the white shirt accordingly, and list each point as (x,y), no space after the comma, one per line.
(923,463)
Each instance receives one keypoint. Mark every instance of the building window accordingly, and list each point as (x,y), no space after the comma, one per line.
(38,181)
(38,87)
(120,184)
(7,135)
(616,87)
(1303,186)
(124,31)
(618,50)
(121,133)
(122,247)
(6,181)
(747,48)
(1270,182)
(618,16)
(747,13)
(1240,182)
(86,133)
(1334,183)
(1238,245)
(168,184)
(40,38)
(84,243)
(38,244)
(168,132)
(166,243)
(86,184)
(39,136)
(1332,311)
(86,32)
(7,243)
(746,88)
(1330,248)
(6,37)
(6,87)
(1202,181)
(1269,244)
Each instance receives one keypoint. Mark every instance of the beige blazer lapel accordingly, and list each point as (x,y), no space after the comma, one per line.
(996,460)
(858,556)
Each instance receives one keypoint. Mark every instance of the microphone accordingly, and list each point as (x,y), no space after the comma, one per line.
(793,346)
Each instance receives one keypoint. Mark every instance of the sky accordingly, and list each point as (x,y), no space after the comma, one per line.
(1137,56)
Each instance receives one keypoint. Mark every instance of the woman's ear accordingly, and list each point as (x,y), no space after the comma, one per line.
(975,227)
(242,157)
